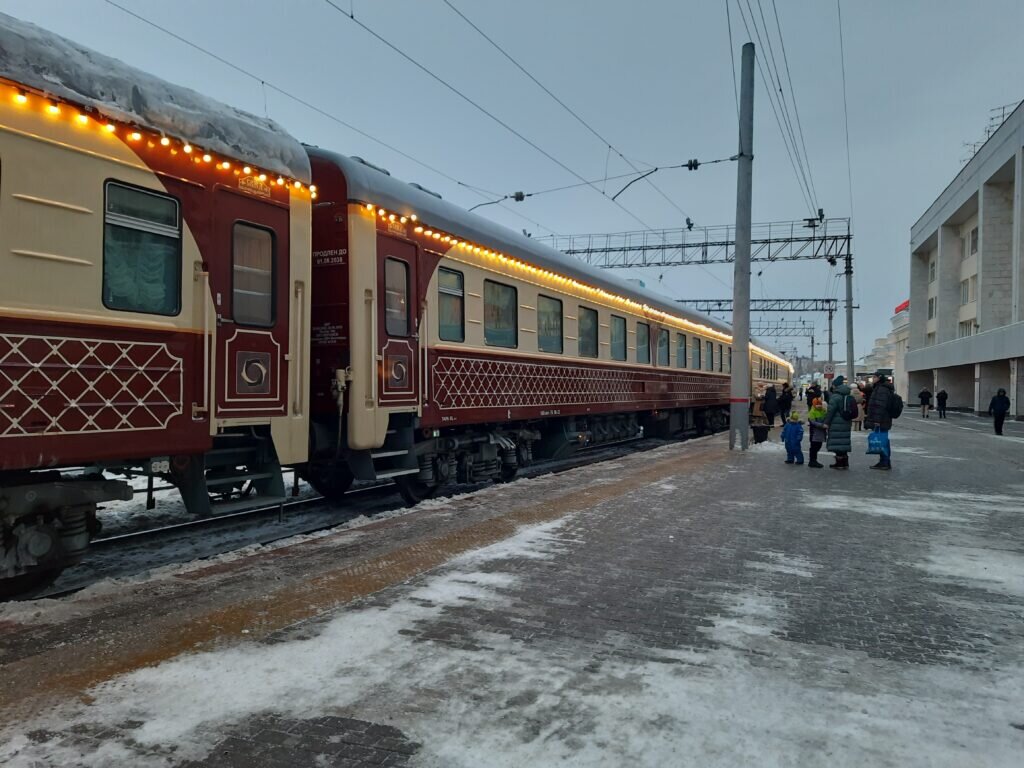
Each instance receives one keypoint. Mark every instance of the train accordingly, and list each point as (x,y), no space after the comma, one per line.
(192,295)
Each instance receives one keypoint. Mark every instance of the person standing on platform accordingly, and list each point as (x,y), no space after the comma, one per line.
(785,402)
(793,436)
(940,401)
(813,393)
(998,409)
(879,412)
(771,404)
(818,435)
(925,396)
(838,425)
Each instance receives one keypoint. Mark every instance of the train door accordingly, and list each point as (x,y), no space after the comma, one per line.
(397,322)
(251,279)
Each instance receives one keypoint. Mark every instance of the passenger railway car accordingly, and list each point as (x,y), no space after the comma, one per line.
(190,294)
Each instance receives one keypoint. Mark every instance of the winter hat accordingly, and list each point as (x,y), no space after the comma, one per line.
(794,416)
(839,380)
(816,403)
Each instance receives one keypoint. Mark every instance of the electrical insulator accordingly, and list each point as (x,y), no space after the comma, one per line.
(692,165)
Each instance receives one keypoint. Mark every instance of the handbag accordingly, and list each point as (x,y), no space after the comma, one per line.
(878,443)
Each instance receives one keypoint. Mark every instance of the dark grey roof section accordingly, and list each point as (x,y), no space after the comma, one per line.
(63,69)
(367,185)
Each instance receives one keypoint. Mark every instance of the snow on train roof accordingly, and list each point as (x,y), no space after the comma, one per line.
(42,60)
(369,184)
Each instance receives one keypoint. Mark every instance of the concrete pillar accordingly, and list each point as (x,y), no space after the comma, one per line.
(958,381)
(948,277)
(918,299)
(1014,388)
(995,268)
(1018,236)
(990,377)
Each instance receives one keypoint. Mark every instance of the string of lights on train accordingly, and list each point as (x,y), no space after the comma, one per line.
(89,117)
(453,241)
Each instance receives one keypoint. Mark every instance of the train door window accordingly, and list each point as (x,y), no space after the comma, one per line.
(501,315)
(588,332)
(549,324)
(141,251)
(695,358)
(396,297)
(709,351)
(643,343)
(720,359)
(663,353)
(681,350)
(451,305)
(252,275)
(618,338)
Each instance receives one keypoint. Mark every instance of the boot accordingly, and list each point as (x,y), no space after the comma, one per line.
(815,465)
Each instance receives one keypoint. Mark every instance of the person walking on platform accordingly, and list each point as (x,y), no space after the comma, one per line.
(785,402)
(998,409)
(925,396)
(793,436)
(771,404)
(881,407)
(837,420)
(940,401)
(815,417)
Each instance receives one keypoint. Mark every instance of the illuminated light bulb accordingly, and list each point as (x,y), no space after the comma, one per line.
(418,229)
(369,206)
(476,249)
(312,195)
(165,141)
(174,151)
(134,135)
(81,118)
(403,220)
(412,216)
(52,108)
(298,185)
(225,165)
(263,177)
(247,170)
(381,211)
(187,148)
(109,128)
(21,97)
(447,239)
(429,233)
(207,158)
(280,181)
(312,187)
(237,172)
(437,235)
(391,217)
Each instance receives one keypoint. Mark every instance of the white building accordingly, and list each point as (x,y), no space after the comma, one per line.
(966,331)
(889,352)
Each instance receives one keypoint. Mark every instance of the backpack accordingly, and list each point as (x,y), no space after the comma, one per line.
(895,406)
(849,410)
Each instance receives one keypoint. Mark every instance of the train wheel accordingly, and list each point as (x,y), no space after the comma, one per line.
(414,491)
(28,585)
(330,480)
(508,473)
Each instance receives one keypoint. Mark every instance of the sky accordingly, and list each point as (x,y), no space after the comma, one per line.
(653,77)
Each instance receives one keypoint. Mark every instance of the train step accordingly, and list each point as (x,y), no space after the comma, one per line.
(389,473)
(231,479)
(244,505)
(385,454)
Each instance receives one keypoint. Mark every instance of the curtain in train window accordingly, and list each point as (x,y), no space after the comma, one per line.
(141,251)
(695,358)
(588,332)
(618,338)
(663,347)
(709,356)
(643,343)
(451,321)
(680,350)
(252,275)
(549,324)
(500,315)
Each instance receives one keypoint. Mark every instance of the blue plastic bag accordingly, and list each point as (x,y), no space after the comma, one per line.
(878,443)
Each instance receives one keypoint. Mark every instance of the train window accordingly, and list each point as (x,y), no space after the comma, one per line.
(396,297)
(588,332)
(549,324)
(681,350)
(451,305)
(695,358)
(501,315)
(618,338)
(141,251)
(663,352)
(643,343)
(709,351)
(719,358)
(728,360)
(252,275)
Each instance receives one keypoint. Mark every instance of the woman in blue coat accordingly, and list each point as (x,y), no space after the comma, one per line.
(838,427)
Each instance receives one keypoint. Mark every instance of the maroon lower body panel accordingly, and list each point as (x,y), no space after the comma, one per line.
(473,388)
(74,393)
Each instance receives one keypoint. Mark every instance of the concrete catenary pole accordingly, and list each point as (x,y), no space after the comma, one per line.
(849,317)
(739,393)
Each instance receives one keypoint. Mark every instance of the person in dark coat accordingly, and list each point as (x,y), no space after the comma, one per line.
(879,406)
(940,402)
(925,396)
(998,409)
(771,404)
(813,392)
(838,427)
(785,402)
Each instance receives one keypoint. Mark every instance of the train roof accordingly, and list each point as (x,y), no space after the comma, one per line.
(63,69)
(369,184)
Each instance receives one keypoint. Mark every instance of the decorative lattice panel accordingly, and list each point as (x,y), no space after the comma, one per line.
(54,385)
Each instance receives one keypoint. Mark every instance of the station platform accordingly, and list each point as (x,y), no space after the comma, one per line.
(682,606)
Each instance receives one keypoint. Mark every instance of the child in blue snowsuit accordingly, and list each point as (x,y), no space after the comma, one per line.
(793,436)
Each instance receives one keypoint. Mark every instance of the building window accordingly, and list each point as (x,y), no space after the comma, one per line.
(451,305)
(549,324)
(974,288)
(588,332)
(501,318)
(141,251)
(680,350)
(965,329)
(931,308)
(930,339)
(695,357)
(965,292)
(709,352)
(252,275)
(396,297)
(663,352)
(974,241)
(618,338)
(643,343)
(931,271)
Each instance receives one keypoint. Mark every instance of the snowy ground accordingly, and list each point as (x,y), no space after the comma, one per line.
(652,611)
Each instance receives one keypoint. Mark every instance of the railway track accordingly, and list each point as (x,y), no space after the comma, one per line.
(127,554)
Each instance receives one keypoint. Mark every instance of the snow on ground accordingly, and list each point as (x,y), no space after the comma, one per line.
(988,568)
(939,508)
(779,562)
